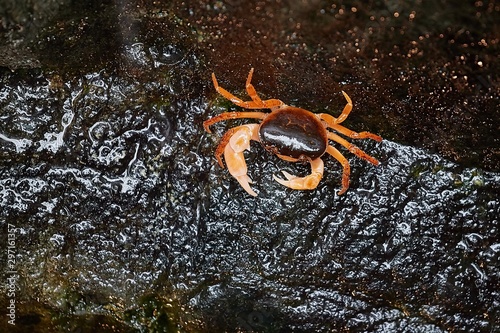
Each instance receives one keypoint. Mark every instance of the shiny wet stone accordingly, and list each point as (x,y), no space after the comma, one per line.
(123,221)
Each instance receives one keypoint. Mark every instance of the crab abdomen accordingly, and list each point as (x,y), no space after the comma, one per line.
(295,133)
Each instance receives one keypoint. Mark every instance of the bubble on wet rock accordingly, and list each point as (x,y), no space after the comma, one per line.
(166,55)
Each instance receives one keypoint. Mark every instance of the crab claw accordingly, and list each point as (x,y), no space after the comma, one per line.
(309,182)
(299,183)
(238,169)
(235,160)
(245,182)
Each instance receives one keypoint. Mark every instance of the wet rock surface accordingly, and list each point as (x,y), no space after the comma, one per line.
(119,218)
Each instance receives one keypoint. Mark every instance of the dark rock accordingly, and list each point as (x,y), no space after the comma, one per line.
(118,217)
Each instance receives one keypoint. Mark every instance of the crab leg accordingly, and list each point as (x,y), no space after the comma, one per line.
(332,123)
(233,144)
(251,90)
(256,102)
(232,115)
(345,166)
(347,109)
(352,148)
(331,120)
(309,182)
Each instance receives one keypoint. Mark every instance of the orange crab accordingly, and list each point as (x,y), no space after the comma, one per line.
(291,133)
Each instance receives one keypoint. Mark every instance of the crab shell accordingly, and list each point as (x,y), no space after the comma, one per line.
(295,133)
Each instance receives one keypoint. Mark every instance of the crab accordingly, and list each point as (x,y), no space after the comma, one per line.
(291,133)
